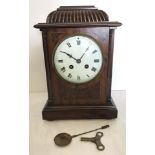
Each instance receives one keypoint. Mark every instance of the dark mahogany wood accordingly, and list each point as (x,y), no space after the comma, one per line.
(78,101)
(78,14)
(79,112)
(43,26)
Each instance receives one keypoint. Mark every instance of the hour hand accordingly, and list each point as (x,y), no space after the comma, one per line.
(68,55)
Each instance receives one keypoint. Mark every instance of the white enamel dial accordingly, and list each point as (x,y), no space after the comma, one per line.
(78,59)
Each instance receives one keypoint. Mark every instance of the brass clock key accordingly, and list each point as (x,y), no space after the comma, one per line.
(96,140)
(64,139)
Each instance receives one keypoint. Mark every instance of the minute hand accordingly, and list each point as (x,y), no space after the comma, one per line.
(84,53)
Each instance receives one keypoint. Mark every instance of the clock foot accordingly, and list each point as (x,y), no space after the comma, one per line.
(52,112)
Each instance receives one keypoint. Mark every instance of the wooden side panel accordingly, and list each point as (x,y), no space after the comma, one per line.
(47,65)
(110,62)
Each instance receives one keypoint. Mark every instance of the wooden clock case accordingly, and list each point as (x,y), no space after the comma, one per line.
(91,100)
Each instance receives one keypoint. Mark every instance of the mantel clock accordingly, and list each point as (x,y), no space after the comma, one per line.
(78,50)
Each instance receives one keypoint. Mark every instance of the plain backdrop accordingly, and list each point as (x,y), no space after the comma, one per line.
(39,10)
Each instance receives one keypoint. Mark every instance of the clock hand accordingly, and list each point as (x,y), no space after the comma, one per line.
(84,53)
(68,55)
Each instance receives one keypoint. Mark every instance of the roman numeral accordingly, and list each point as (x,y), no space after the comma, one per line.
(61,61)
(88,75)
(96,60)
(63,69)
(78,42)
(93,69)
(94,51)
(69,75)
(69,45)
(78,77)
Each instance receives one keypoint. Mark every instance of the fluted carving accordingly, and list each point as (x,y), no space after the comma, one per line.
(87,14)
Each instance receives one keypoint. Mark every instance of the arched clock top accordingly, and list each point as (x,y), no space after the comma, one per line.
(86,14)
(77,16)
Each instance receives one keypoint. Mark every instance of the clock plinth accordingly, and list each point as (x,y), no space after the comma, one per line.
(79,75)
(79,112)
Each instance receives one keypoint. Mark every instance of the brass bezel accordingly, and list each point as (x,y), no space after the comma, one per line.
(84,35)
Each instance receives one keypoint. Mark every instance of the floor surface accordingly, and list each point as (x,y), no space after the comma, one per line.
(43,132)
